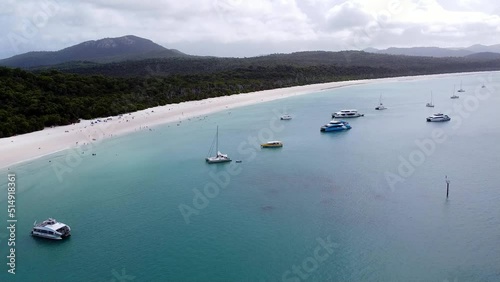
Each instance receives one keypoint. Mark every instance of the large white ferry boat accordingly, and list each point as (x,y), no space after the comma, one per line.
(51,229)
(347,114)
(335,125)
(438,117)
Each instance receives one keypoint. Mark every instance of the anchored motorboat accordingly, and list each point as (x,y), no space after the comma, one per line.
(272,144)
(347,114)
(438,117)
(51,229)
(335,125)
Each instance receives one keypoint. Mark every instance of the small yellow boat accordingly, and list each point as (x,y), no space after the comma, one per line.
(272,144)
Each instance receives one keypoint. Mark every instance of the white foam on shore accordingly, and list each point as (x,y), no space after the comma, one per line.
(30,146)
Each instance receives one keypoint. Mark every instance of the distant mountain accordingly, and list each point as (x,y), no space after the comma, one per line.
(105,50)
(478,48)
(422,51)
(484,56)
(437,51)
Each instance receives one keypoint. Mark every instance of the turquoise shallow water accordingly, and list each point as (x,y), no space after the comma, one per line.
(269,219)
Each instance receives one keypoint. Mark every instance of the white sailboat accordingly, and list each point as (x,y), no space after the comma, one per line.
(461,89)
(380,105)
(454,96)
(219,157)
(430,105)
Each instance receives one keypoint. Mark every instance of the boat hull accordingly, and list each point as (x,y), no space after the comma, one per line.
(347,116)
(271,146)
(438,120)
(217,160)
(323,129)
(48,236)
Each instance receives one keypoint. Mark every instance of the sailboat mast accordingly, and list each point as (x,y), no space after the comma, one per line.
(217,141)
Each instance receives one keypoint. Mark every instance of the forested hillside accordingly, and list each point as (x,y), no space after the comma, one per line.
(30,101)
(208,65)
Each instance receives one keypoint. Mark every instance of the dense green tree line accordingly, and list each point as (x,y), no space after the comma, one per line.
(211,65)
(30,101)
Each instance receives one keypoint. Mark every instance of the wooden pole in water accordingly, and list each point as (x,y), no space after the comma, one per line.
(447,186)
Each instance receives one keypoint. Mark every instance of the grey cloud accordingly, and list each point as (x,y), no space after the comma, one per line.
(240,27)
(347,15)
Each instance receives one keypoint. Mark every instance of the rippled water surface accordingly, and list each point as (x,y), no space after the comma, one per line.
(368,204)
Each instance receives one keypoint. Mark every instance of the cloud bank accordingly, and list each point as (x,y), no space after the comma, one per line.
(249,27)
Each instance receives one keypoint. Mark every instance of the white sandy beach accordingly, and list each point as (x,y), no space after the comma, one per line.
(22,148)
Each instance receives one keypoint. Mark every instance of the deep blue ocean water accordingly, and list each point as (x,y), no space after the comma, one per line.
(368,204)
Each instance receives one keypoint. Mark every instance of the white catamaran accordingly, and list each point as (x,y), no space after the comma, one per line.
(219,157)
(51,229)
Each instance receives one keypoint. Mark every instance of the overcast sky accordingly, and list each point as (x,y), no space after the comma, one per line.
(249,27)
